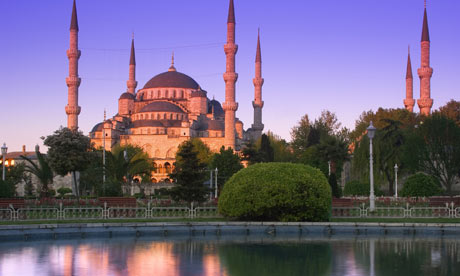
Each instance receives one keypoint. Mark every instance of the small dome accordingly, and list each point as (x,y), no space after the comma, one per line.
(172,79)
(218,110)
(161,106)
(98,127)
(127,96)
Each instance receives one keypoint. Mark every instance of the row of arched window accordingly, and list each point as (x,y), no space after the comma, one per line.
(160,94)
(159,116)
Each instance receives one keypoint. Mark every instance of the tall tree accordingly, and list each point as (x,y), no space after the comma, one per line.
(189,174)
(227,164)
(68,153)
(266,152)
(451,110)
(300,134)
(434,148)
(41,170)
(282,151)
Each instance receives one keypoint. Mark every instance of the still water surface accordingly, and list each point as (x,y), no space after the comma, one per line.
(247,255)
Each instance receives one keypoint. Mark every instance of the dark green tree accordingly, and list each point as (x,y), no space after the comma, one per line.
(92,177)
(13,176)
(251,153)
(227,164)
(68,153)
(336,190)
(266,152)
(434,148)
(451,110)
(282,151)
(41,170)
(189,175)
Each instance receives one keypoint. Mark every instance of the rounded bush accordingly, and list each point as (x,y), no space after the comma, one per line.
(420,185)
(357,188)
(277,192)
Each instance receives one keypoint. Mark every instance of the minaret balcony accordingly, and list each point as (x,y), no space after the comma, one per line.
(425,103)
(73,53)
(258,82)
(257,104)
(70,109)
(230,76)
(73,81)
(230,106)
(425,72)
(230,49)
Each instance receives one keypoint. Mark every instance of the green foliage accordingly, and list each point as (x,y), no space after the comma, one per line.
(451,110)
(204,153)
(266,150)
(63,190)
(41,170)
(91,178)
(7,188)
(358,188)
(335,188)
(277,192)
(420,185)
(282,151)
(189,174)
(227,164)
(434,148)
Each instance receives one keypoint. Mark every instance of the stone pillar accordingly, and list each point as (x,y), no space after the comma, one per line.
(258,104)
(230,77)
(425,71)
(73,81)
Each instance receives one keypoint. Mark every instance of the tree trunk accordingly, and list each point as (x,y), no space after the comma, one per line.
(75,185)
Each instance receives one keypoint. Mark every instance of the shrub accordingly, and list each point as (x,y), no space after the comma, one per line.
(7,188)
(420,185)
(63,190)
(277,192)
(357,188)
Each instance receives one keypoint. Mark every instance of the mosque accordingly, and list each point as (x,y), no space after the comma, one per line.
(170,108)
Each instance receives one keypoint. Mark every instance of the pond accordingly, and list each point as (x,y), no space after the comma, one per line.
(234,255)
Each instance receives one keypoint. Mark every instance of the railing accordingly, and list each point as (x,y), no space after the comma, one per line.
(448,211)
(88,213)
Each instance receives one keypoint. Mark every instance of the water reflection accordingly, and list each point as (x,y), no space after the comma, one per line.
(247,255)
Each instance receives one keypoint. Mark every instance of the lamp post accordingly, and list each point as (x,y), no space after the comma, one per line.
(215,183)
(103,154)
(371,133)
(210,184)
(4,151)
(396,180)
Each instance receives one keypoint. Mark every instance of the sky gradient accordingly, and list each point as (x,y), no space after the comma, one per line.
(344,56)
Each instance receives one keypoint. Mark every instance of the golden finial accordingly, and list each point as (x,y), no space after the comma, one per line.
(172,68)
(105,115)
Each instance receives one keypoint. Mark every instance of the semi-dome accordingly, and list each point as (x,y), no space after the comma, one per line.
(127,96)
(98,127)
(172,79)
(161,107)
(218,110)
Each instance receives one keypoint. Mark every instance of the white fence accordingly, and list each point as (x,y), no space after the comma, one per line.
(448,211)
(88,213)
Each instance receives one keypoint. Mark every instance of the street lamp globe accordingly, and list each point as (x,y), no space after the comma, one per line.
(371,131)
(4,151)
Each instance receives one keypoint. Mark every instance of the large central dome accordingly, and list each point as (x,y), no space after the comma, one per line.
(172,79)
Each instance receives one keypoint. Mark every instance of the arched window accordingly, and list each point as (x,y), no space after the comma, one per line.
(166,93)
(164,116)
(167,167)
(158,116)
(174,94)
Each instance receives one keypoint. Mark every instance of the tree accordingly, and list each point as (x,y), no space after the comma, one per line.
(251,153)
(91,179)
(300,134)
(336,190)
(123,168)
(13,176)
(434,148)
(68,153)
(204,153)
(189,175)
(282,151)
(266,152)
(451,110)
(41,170)
(227,164)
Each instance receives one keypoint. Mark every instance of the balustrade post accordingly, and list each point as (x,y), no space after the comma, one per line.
(149,210)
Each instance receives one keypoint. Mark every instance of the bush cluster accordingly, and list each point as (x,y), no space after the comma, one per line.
(277,192)
(420,185)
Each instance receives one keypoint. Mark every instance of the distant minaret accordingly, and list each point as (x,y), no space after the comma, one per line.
(425,71)
(230,77)
(409,102)
(73,81)
(258,104)
(132,83)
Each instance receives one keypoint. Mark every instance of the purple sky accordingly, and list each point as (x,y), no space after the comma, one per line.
(344,56)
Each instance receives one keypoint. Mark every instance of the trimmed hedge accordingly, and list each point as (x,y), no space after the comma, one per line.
(277,192)
(420,185)
(357,188)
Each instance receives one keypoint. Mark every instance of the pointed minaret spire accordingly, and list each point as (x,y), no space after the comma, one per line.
(230,106)
(132,83)
(73,81)
(172,68)
(425,71)
(409,102)
(231,13)
(258,104)
(74,20)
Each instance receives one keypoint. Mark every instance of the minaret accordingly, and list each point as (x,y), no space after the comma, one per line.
(132,83)
(409,102)
(425,71)
(73,81)
(230,77)
(258,104)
